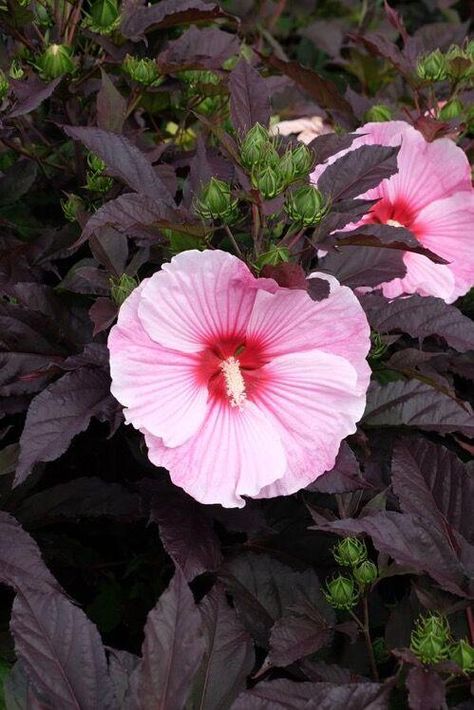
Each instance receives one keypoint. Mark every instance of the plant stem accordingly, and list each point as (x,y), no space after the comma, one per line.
(233,240)
(364,627)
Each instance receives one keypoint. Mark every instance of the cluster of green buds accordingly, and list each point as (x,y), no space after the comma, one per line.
(431,638)
(457,64)
(55,61)
(216,202)
(199,79)
(378,114)
(306,206)
(270,172)
(103,17)
(341,592)
(203,85)
(96,180)
(72,206)
(121,287)
(142,70)
(4,85)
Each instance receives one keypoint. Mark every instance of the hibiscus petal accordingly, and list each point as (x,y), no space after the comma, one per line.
(235,453)
(289,321)
(159,387)
(315,401)
(197,297)
(423,277)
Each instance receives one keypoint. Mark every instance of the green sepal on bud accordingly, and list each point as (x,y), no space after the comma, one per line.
(341,593)
(350,552)
(462,653)
(274,256)
(104,16)
(4,85)
(306,206)
(432,67)
(303,160)
(216,202)
(366,573)
(72,206)
(453,109)
(121,288)
(16,71)
(256,141)
(379,347)
(459,64)
(142,70)
(268,182)
(96,181)
(56,61)
(430,640)
(286,168)
(378,113)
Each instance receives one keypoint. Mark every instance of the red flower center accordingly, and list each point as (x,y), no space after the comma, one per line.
(397,214)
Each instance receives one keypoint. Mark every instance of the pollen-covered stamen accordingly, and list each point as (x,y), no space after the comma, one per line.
(393,223)
(234,381)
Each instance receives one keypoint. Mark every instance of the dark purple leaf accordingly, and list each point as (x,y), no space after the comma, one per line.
(167,13)
(318,289)
(61,651)
(208,48)
(18,691)
(59,413)
(85,277)
(320,671)
(417,404)
(327,35)
(364,266)
(321,90)
(17,180)
(432,482)
(80,498)
(287,275)
(111,106)
(387,236)
(171,652)
(110,248)
(411,541)
(103,313)
(229,655)
(426,690)
(380,46)
(343,478)
(31,93)
(294,637)
(249,98)
(287,695)
(186,534)
(264,589)
(357,171)
(330,144)
(123,160)
(396,20)
(121,666)
(420,317)
(21,564)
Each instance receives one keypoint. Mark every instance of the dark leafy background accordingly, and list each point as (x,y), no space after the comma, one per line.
(119,590)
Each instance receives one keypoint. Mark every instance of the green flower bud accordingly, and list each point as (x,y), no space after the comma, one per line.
(469,51)
(4,85)
(459,64)
(432,67)
(430,640)
(462,653)
(96,180)
(350,551)
(378,113)
(381,652)
(209,105)
(104,16)
(286,167)
(306,206)
(366,573)
(255,142)
(143,71)
(274,256)
(341,593)
(268,182)
(121,288)
(451,110)
(16,71)
(56,61)
(72,206)
(216,202)
(378,348)
(303,159)
(95,164)
(196,78)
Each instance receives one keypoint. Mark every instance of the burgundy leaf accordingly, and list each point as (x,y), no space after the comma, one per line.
(186,534)
(171,652)
(426,690)
(111,106)
(364,266)
(357,171)
(18,692)
(123,160)
(31,93)
(208,48)
(61,651)
(417,404)
(330,144)
(327,35)
(294,637)
(343,478)
(17,180)
(420,317)
(432,482)
(249,98)
(387,236)
(318,289)
(229,655)
(380,46)
(103,313)
(167,13)
(396,20)
(21,564)
(286,274)
(121,666)
(59,413)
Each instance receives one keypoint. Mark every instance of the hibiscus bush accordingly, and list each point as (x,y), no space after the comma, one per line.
(236,383)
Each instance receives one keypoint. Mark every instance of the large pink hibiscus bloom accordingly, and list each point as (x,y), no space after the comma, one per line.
(241,388)
(432,196)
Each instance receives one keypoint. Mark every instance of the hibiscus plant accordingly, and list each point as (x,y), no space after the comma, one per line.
(236,346)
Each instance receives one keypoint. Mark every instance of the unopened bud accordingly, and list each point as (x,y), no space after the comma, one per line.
(303,159)
(121,288)
(432,67)
(16,71)
(378,113)
(430,640)
(216,202)
(306,206)
(72,206)
(56,61)
(366,573)
(452,109)
(4,85)
(268,182)
(341,593)
(462,653)
(104,16)
(253,145)
(142,70)
(350,551)
(459,64)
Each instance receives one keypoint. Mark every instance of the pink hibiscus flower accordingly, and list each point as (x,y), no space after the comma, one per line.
(432,196)
(241,387)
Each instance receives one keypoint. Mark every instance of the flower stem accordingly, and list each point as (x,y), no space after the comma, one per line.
(364,627)
(233,240)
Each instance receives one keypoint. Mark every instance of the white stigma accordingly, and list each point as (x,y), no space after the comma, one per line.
(393,223)
(234,382)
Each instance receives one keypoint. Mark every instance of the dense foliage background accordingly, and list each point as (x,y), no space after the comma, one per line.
(120,590)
